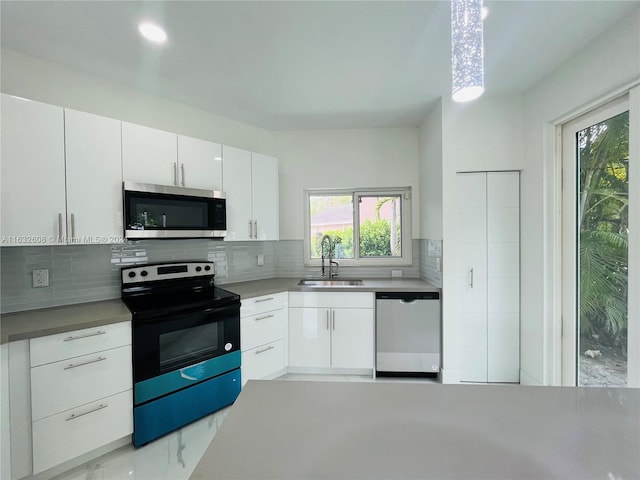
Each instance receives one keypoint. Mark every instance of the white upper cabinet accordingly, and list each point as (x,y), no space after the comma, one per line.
(251,185)
(200,163)
(33,175)
(94,178)
(264,185)
(149,155)
(164,158)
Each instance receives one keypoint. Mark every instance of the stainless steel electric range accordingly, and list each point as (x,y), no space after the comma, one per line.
(186,345)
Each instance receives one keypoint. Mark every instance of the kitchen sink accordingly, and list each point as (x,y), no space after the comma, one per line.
(321,282)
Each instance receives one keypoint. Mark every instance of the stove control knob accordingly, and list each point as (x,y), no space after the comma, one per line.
(144,273)
(132,274)
(207,268)
(198,269)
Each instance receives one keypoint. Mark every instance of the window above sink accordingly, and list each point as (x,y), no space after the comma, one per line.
(368,227)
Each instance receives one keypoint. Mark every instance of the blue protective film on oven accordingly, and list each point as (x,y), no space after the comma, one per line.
(184,377)
(169,413)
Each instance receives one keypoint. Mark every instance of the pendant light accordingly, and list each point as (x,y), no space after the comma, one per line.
(467,50)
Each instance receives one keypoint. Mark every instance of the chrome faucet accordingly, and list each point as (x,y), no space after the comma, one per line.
(332,262)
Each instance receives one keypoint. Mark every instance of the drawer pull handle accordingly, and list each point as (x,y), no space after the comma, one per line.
(265,299)
(270,347)
(74,365)
(73,416)
(264,317)
(78,337)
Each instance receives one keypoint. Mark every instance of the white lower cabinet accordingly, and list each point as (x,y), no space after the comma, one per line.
(69,434)
(81,392)
(263,334)
(331,330)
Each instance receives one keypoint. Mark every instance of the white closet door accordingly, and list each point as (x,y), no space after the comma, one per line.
(503,276)
(471,248)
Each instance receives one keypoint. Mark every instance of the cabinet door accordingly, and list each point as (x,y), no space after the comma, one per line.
(309,337)
(352,338)
(149,155)
(471,275)
(94,177)
(33,183)
(264,183)
(236,182)
(200,163)
(503,277)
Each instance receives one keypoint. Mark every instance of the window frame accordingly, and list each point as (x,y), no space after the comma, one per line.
(405,217)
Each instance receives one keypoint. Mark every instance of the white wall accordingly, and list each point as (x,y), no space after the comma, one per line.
(601,68)
(430,170)
(47,82)
(386,157)
(483,135)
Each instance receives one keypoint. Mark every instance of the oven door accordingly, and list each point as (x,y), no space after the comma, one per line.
(184,339)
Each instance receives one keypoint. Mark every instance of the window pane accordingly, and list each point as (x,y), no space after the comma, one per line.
(332,215)
(603,231)
(380,229)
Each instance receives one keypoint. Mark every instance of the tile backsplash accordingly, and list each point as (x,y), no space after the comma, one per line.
(85,273)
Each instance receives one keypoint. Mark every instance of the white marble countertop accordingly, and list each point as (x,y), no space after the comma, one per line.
(336,430)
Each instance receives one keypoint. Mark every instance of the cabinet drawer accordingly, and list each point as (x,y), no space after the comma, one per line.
(64,436)
(53,348)
(262,328)
(262,361)
(62,385)
(266,303)
(332,299)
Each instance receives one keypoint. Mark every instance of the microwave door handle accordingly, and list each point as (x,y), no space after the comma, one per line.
(164,220)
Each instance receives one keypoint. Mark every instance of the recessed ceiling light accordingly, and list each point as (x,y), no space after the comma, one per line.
(152,32)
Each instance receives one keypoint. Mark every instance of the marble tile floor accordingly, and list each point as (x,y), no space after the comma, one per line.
(175,456)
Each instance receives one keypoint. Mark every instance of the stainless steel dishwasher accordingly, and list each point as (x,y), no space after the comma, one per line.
(407,333)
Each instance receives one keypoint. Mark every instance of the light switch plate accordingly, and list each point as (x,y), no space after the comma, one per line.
(396,273)
(40,278)
(260,260)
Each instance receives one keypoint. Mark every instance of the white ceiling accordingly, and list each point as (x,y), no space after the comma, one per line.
(303,65)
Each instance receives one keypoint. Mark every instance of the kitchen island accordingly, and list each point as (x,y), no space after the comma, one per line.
(304,430)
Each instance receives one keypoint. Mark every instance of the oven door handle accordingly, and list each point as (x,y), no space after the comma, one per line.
(189,377)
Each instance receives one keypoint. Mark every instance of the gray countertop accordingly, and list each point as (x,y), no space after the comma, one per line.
(49,321)
(326,430)
(258,288)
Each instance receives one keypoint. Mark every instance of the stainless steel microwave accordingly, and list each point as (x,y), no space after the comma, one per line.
(159,211)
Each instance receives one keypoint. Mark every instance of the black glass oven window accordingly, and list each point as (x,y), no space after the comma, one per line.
(179,347)
(153,211)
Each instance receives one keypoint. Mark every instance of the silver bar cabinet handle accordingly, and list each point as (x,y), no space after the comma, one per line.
(73,416)
(266,349)
(255,229)
(175,173)
(182,171)
(471,278)
(73,226)
(264,299)
(250,230)
(264,317)
(74,365)
(78,337)
(327,319)
(333,320)
(59,227)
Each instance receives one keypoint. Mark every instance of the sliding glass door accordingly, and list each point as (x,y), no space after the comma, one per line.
(596,244)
